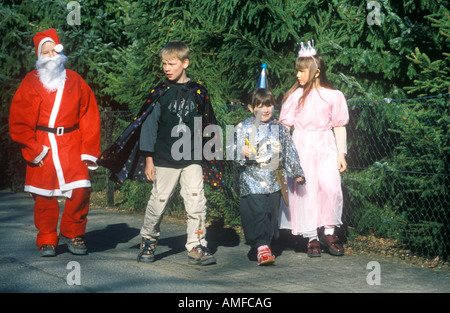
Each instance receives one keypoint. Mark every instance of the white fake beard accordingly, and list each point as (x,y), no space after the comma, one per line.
(51,71)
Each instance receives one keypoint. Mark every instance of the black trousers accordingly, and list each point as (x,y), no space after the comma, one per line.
(259,217)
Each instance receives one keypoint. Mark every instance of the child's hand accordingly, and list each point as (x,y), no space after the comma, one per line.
(88,163)
(300,180)
(247,151)
(149,169)
(342,163)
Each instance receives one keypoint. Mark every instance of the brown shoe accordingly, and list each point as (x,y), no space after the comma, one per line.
(333,244)
(313,249)
(47,250)
(200,255)
(75,245)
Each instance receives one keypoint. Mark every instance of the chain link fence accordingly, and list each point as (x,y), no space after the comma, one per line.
(396,197)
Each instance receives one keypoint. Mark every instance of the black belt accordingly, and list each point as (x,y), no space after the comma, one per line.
(59,131)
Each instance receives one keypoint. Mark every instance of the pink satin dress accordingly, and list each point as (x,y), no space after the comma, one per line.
(319,202)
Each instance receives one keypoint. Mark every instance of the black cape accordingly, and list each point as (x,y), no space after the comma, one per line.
(123,158)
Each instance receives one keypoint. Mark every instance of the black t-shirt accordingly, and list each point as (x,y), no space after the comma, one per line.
(168,133)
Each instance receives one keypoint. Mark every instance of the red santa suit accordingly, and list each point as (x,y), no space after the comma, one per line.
(61,128)
(73,107)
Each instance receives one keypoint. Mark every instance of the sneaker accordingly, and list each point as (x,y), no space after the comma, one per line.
(265,256)
(75,245)
(200,255)
(47,250)
(147,251)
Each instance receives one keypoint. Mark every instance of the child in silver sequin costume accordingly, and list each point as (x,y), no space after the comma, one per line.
(266,153)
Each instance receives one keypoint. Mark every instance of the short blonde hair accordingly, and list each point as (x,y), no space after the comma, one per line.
(177,49)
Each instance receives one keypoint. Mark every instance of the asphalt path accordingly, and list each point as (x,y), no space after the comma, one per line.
(111,267)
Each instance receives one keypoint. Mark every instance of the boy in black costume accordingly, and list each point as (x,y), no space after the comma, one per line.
(164,144)
(167,163)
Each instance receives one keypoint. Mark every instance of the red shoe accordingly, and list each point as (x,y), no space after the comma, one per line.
(265,256)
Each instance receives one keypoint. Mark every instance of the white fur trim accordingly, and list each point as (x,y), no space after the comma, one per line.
(41,155)
(59,48)
(47,192)
(66,192)
(87,157)
(52,138)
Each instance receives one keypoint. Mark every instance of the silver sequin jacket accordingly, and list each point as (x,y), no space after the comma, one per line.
(274,149)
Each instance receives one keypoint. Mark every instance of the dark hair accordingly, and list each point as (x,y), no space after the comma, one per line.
(262,96)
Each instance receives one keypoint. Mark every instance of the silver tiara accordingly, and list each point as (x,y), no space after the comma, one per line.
(307,51)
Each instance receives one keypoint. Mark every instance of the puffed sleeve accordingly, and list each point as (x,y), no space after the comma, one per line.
(339,114)
(287,114)
(23,118)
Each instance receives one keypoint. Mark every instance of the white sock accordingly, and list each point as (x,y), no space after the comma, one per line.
(328,231)
(312,238)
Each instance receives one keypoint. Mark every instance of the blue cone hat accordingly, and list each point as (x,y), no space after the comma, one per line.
(262,81)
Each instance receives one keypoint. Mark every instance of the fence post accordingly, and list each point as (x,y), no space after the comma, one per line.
(108,139)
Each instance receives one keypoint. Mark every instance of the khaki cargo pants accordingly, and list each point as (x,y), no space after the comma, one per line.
(191,181)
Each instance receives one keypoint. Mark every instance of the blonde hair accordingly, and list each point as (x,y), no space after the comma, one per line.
(313,64)
(175,48)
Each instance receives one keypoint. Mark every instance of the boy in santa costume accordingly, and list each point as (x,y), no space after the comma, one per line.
(55,118)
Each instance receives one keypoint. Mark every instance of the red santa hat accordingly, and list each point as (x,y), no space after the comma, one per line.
(47,35)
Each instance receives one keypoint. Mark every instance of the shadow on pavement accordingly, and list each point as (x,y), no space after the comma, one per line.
(217,235)
(109,237)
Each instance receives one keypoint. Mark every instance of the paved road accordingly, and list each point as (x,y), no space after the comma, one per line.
(111,267)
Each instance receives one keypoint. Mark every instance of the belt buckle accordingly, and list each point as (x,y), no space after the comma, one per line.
(59,131)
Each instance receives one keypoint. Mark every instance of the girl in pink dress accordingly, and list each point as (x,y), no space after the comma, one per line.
(318,114)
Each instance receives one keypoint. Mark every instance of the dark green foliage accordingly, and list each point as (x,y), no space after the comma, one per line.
(117,44)
(400,188)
